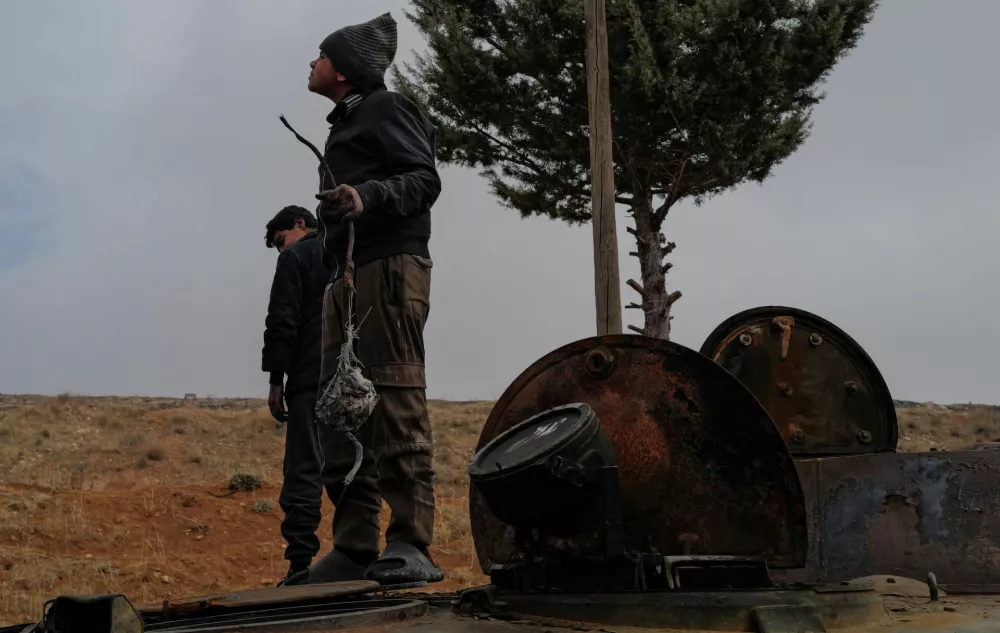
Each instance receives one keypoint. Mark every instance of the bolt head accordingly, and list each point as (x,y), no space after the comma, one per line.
(798,436)
(786,388)
(815,339)
(864,436)
(598,363)
(851,387)
(746,339)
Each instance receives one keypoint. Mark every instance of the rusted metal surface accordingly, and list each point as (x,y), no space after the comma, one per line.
(904,514)
(834,607)
(965,615)
(258,597)
(697,454)
(819,386)
(960,614)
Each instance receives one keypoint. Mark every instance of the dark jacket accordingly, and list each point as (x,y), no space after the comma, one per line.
(383,146)
(294,325)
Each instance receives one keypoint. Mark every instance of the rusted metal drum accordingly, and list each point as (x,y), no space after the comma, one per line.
(701,466)
(819,386)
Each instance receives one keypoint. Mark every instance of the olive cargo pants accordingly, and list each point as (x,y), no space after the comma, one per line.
(391,302)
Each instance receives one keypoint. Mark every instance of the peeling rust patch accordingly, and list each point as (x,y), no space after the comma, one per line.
(903,514)
(931,477)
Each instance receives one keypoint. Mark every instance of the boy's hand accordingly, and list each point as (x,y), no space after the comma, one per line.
(342,203)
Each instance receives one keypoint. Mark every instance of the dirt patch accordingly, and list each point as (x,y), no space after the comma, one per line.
(120,495)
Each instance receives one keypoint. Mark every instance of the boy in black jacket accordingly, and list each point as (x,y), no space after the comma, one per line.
(381,150)
(292,344)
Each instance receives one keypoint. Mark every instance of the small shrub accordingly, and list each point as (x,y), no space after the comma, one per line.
(244,482)
(131,441)
(262,506)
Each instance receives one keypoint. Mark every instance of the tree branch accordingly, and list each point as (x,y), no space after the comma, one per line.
(634,285)
(638,238)
(636,330)
(661,214)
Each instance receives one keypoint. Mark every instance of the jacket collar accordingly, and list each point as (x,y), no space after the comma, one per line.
(351,101)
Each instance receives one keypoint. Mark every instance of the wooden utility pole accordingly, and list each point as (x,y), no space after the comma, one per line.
(607,283)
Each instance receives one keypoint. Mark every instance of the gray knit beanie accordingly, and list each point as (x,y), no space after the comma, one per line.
(363,52)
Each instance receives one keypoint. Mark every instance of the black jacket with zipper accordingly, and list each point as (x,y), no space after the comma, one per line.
(293,331)
(384,147)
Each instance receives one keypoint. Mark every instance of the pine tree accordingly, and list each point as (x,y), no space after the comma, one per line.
(705,95)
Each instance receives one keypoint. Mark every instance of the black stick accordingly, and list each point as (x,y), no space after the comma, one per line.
(322,161)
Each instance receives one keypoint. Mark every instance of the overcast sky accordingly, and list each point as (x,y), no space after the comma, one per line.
(141,155)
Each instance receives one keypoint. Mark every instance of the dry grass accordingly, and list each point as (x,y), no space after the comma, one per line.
(119,494)
(128,494)
(924,427)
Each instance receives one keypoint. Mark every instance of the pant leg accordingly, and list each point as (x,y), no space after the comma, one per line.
(301,494)
(405,469)
(356,507)
(396,304)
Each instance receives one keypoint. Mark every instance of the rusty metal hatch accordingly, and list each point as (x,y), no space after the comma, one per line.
(819,386)
(702,469)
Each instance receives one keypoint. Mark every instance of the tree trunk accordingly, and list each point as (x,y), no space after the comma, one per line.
(652,249)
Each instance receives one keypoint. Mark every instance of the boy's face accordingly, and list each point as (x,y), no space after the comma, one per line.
(324,78)
(285,239)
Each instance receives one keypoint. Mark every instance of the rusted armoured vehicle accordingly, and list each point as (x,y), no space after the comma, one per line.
(623,482)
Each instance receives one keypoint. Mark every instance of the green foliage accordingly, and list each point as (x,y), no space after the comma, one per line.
(262,506)
(244,482)
(705,94)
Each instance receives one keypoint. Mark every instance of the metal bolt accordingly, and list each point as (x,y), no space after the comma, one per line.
(598,363)
(815,339)
(864,436)
(746,339)
(852,387)
(798,436)
(786,388)
(688,543)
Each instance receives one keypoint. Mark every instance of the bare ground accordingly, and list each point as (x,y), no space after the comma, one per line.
(120,494)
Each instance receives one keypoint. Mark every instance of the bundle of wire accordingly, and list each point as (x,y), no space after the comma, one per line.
(349,398)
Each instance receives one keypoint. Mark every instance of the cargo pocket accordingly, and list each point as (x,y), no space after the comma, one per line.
(404,304)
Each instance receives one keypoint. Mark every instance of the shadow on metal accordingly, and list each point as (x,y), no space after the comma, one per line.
(271,596)
(829,607)
(313,616)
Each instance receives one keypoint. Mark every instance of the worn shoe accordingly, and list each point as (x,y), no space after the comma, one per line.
(297,575)
(403,563)
(335,567)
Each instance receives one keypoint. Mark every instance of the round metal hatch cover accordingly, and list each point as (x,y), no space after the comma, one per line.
(817,383)
(699,460)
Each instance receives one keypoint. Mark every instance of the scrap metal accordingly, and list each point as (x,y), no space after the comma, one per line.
(702,468)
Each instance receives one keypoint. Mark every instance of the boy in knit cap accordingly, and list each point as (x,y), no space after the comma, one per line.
(381,150)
